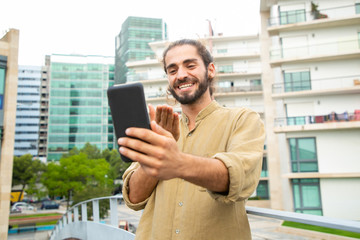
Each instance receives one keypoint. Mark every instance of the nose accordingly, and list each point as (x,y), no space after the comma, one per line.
(182,73)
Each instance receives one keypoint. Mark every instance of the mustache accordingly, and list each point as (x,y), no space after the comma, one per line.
(188,80)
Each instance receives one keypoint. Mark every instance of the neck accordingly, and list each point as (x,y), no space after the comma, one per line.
(192,110)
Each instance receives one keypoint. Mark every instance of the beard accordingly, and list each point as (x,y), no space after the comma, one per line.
(191,98)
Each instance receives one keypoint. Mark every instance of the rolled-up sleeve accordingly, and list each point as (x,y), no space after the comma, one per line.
(243,158)
(125,189)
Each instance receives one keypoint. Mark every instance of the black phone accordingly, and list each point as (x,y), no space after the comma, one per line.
(128,109)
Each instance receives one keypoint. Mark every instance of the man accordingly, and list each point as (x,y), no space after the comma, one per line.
(195,187)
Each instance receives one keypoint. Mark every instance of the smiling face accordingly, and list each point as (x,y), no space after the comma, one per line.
(187,74)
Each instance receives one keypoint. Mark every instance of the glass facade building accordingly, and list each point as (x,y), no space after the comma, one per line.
(27,111)
(78,106)
(132,42)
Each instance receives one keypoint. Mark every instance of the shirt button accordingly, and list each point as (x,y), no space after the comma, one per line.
(181,204)
(190,134)
(177,231)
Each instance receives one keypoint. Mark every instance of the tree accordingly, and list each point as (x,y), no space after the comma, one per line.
(26,171)
(117,166)
(74,173)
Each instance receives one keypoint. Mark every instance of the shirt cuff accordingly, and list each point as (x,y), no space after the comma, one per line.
(235,178)
(125,191)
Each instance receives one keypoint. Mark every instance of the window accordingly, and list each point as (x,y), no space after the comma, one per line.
(225,69)
(292,16)
(306,194)
(297,81)
(262,190)
(303,155)
(357,8)
(264,169)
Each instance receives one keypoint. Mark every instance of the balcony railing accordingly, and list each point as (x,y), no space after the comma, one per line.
(134,77)
(229,69)
(75,224)
(317,84)
(229,52)
(316,50)
(303,120)
(238,89)
(291,17)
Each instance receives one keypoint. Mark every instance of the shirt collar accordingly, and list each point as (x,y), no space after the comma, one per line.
(204,112)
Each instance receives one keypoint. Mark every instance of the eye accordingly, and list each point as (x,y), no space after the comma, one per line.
(191,66)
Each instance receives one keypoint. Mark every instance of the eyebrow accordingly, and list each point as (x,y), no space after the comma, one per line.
(185,61)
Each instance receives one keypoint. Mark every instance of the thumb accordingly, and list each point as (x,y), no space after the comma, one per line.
(159,130)
(151,112)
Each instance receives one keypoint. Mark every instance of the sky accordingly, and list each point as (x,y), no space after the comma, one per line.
(89,27)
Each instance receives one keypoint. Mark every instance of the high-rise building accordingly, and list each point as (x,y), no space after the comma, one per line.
(311,73)
(44,109)
(28,111)
(9,48)
(132,43)
(78,105)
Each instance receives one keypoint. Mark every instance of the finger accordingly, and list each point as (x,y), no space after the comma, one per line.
(134,144)
(143,159)
(151,112)
(158,114)
(169,118)
(164,117)
(146,135)
(159,129)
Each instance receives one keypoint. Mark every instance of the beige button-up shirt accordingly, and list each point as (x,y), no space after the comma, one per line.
(178,209)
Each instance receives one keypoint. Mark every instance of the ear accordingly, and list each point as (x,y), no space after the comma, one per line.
(211,70)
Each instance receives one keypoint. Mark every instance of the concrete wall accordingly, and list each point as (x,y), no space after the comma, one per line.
(9,47)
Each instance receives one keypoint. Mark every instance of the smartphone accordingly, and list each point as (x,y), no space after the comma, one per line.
(128,109)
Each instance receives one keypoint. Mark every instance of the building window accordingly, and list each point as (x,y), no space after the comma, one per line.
(357,8)
(262,190)
(292,16)
(225,69)
(303,155)
(297,81)
(307,198)
(264,169)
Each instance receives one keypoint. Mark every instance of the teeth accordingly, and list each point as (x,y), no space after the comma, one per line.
(185,86)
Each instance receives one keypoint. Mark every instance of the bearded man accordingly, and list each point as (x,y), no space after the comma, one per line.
(192,175)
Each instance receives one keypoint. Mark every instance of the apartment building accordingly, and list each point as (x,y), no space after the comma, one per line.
(132,42)
(9,48)
(27,111)
(238,81)
(310,52)
(78,104)
(44,109)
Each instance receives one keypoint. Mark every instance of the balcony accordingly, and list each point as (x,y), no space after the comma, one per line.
(325,51)
(240,90)
(332,121)
(301,20)
(76,223)
(230,71)
(317,87)
(146,77)
(236,53)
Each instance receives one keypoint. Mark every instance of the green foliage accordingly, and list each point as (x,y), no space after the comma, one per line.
(74,174)
(117,166)
(27,171)
(94,192)
(321,229)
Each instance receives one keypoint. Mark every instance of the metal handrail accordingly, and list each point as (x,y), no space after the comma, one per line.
(72,217)
(346,225)
(317,84)
(276,20)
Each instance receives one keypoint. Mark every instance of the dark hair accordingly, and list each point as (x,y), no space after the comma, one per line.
(201,50)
